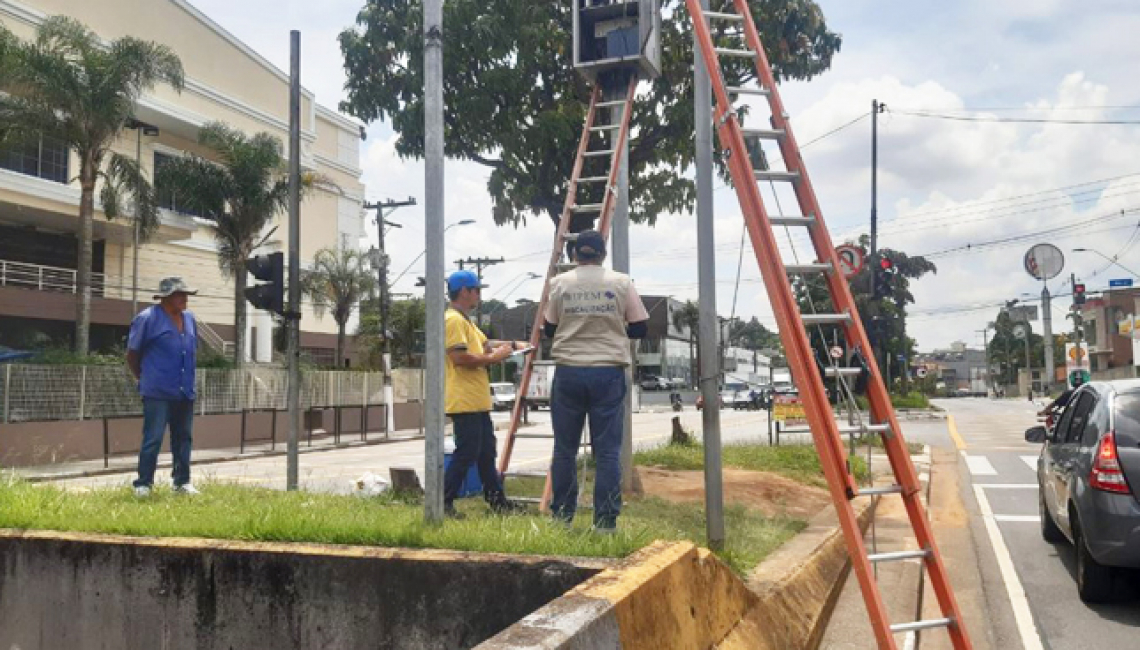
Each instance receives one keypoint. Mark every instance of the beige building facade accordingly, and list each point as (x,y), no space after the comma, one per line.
(225,81)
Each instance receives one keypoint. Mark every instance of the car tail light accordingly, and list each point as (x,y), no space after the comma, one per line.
(1106,474)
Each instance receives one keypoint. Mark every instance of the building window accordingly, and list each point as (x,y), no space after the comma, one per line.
(166,198)
(44,157)
(1090,332)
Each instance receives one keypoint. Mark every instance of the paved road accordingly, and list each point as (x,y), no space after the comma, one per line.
(335,470)
(1030,587)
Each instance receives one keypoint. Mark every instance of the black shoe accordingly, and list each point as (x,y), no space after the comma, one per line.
(450,512)
(505,506)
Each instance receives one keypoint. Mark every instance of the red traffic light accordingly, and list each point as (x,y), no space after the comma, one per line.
(1078,294)
(886,264)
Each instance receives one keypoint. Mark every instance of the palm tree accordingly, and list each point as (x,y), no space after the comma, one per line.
(689,315)
(240,193)
(68,84)
(338,280)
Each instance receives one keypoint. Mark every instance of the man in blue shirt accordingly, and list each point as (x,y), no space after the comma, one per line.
(162,353)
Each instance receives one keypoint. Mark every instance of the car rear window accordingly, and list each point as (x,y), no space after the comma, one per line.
(1128,418)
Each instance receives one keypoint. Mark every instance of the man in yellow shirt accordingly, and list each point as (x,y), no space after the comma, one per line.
(467,393)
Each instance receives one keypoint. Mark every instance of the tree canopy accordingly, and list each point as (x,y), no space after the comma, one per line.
(515,104)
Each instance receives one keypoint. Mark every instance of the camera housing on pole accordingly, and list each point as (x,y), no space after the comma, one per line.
(617,35)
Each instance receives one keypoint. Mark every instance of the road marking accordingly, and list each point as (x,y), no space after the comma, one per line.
(1016,486)
(1018,518)
(1030,639)
(979,465)
(1031,461)
(958,441)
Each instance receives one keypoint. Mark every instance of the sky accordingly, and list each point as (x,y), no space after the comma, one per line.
(958,180)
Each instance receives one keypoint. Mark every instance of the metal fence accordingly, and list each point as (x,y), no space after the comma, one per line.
(35,393)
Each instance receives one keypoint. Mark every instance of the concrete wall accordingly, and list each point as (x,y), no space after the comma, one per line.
(43,443)
(99,592)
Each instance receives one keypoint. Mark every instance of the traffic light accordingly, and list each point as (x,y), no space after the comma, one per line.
(1078,294)
(271,295)
(883,276)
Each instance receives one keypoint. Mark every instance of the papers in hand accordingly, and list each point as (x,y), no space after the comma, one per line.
(528,349)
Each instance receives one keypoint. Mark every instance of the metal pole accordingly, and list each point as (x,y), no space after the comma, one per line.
(619,235)
(434,267)
(294,316)
(706,270)
(1047,321)
(7,392)
(1076,328)
(874,335)
(135,238)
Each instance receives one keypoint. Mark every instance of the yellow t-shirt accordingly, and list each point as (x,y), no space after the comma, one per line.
(466,390)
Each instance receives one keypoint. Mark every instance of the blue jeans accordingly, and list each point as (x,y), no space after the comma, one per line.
(577,393)
(157,414)
(474,435)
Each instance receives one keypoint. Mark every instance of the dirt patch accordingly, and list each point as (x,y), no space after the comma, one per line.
(769,493)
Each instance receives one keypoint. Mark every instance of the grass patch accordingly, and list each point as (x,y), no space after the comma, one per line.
(908,401)
(797,462)
(227,511)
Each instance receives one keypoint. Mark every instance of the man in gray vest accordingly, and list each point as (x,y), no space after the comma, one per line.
(591,315)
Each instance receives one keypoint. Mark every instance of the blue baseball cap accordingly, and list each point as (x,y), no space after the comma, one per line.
(590,245)
(463,280)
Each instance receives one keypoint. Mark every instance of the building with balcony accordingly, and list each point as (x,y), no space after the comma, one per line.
(225,81)
(1109,330)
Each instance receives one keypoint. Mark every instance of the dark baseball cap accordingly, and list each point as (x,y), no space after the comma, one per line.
(590,245)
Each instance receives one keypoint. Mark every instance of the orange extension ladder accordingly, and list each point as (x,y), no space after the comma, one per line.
(733,24)
(604,143)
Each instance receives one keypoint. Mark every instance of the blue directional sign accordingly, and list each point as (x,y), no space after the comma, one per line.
(1124,282)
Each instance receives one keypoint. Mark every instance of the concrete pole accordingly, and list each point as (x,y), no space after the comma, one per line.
(1047,322)
(135,239)
(294,316)
(706,255)
(619,243)
(434,264)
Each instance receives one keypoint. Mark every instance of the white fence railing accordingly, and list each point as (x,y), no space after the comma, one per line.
(44,278)
(36,392)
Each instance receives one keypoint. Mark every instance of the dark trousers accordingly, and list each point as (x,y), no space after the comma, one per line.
(157,414)
(578,393)
(474,435)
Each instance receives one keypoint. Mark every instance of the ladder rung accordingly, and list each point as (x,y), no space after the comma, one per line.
(815,267)
(843,428)
(791,220)
(589,207)
(741,90)
(777,176)
(616,102)
(825,319)
(744,54)
(877,428)
(899,555)
(879,491)
(723,16)
(563,267)
(849,372)
(570,236)
(766,134)
(595,154)
(605,127)
(594,179)
(535,436)
(922,625)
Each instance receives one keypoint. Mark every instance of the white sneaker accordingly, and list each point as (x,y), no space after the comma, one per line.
(186,488)
(142,491)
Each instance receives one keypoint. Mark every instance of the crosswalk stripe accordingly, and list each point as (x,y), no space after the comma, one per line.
(1031,461)
(980,465)
(1018,518)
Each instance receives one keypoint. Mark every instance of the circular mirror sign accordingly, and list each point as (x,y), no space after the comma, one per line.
(1044,261)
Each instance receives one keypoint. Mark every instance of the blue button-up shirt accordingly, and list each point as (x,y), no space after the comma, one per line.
(168,356)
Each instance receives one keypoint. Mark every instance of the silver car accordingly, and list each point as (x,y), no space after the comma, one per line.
(1088,474)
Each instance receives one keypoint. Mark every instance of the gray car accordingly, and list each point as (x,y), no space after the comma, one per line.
(1088,474)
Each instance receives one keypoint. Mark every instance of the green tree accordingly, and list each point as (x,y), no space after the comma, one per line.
(689,315)
(405,319)
(67,83)
(884,320)
(515,104)
(239,193)
(337,282)
(752,335)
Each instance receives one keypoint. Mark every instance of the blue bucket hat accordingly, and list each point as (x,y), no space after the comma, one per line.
(463,280)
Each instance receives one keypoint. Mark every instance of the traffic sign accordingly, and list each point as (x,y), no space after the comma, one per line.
(1020,331)
(1044,261)
(850,259)
(920,372)
(1122,282)
(836,352)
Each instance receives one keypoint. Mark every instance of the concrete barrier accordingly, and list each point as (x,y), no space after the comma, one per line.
(103,592)
(675,595)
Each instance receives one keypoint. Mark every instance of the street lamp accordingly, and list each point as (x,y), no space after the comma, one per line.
(1112,260)
(465,222)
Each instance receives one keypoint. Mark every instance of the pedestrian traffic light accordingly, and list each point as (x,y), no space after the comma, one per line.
(1078,294)
(271,295)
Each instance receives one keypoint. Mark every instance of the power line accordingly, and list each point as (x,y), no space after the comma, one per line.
(1011,120)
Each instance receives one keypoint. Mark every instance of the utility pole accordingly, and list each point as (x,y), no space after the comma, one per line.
(986,348)
(1047,323)
(293,313)
(434,264)
(1077,323)
(874,334)
(707,322)
(480,264)
(382,267)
